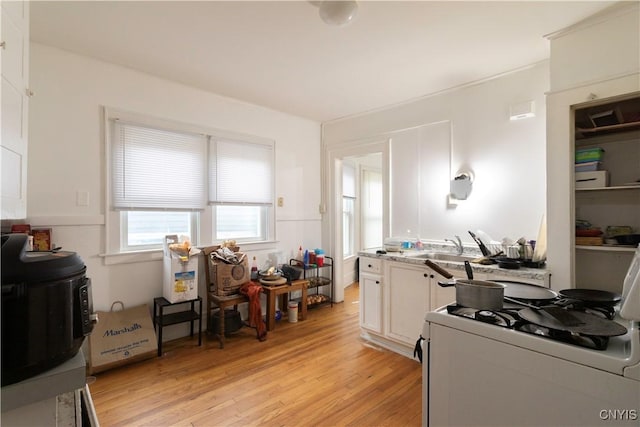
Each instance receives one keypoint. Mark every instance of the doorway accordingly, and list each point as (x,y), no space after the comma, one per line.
(358,206)
(362,210)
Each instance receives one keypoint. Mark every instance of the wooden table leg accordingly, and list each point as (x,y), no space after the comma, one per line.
(303,303)
(271,308)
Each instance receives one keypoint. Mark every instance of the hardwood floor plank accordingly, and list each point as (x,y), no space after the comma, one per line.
(316,372)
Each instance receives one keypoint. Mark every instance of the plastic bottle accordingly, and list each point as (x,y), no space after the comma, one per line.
(419,245)
(254,269)
(300,256)
(319,257)
(305,258)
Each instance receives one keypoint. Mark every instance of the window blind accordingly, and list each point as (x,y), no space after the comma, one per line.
(240,172)
(158,169)
(348,180)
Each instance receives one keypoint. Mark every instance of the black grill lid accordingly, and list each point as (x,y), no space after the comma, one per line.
(19,265)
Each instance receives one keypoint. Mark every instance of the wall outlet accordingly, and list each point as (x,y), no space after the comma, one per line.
(280,202)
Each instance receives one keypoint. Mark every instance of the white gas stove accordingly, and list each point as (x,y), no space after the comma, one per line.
(481,368)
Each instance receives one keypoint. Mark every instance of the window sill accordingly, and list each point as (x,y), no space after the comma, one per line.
(132,257)
(157,254)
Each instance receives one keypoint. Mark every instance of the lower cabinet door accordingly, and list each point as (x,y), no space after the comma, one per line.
(408,296)
(371,302)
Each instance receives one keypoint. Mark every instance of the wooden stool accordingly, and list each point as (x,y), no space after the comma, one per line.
(222,302)
(283,291)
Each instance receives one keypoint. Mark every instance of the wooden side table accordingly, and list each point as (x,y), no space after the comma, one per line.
(162,319)
(283,291)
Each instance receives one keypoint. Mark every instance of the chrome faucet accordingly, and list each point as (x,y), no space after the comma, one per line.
(457,244)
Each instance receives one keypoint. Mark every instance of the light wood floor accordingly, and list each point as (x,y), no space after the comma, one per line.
(316,372)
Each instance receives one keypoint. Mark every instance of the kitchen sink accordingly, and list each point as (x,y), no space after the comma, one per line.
(438,256)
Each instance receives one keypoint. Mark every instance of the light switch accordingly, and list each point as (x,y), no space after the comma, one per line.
(82,198)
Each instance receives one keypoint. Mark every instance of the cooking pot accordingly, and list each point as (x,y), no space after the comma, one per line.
(479,294)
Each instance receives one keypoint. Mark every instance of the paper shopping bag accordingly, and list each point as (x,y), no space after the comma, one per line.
(121,337)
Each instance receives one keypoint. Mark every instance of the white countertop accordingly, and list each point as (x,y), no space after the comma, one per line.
(408,256)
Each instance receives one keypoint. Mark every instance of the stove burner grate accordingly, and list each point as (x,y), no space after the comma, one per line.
(509,318)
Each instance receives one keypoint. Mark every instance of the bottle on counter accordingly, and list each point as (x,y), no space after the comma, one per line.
(418,244)
(319,257)
(254,269)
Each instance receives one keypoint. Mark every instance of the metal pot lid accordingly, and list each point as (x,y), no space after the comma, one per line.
(592,296)
(576,322)
(526,291)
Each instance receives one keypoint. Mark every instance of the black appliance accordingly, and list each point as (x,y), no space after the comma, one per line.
(46,308)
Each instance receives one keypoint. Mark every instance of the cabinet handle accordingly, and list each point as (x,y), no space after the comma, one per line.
(377,282)
(29,92)
(369,266)
(3,44)
(426,275)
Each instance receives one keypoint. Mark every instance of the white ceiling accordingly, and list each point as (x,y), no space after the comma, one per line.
(282,56)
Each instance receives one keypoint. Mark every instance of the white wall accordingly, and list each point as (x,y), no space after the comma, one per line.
(507,157)
(66,155)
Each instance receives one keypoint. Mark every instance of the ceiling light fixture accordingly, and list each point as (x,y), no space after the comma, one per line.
(337,12)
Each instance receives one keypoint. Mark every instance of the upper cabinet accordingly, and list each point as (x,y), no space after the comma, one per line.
(15,102)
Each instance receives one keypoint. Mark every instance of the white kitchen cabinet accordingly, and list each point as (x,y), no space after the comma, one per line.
(15,100)
(371,286)
(407,300)
(444,296)
(396,293)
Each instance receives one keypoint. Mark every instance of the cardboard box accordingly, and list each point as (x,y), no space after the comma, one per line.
(589,155)
(595,179)
(180,273)
(228,278)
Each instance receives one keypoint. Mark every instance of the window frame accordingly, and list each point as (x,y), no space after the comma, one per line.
(204,233)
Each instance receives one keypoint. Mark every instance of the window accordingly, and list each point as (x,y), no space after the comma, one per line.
(348,209)
(146,229)
(348,226)
(240,223)
(166,178)
(240,189)
(371,209)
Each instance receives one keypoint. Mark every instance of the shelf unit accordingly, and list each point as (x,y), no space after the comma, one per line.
(617,204)
(321,281)
(162,319)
